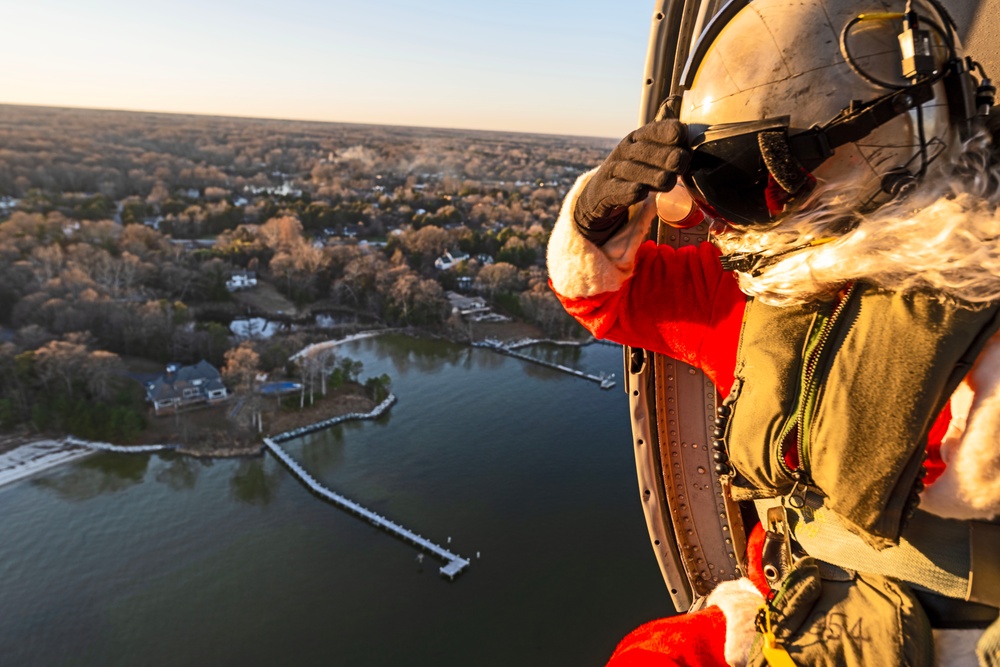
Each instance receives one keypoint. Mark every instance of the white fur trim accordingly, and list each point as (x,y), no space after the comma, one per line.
(969,488)
(577,267)
(956,648)
(739,600)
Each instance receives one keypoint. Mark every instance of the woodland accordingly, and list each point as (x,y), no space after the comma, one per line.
(119,231)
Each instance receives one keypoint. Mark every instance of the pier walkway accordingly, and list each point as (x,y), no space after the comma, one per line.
(453,563)
(333,421)
(605,381)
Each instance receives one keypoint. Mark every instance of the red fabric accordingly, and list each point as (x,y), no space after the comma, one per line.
(755,560)
(696,639)
(934,465)
(677,302)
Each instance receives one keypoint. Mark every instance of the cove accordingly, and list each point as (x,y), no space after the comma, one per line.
(165,560)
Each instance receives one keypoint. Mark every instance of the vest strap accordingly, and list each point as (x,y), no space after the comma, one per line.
(984,567)
(957,559)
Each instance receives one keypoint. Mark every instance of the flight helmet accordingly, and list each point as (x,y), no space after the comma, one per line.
(861,95)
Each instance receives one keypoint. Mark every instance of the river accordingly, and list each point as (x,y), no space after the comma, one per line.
(164,560)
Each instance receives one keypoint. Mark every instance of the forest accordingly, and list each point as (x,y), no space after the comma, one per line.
(120,230)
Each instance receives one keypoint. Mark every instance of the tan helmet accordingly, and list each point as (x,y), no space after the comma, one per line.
(782,94)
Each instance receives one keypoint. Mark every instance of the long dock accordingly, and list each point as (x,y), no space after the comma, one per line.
(605,381)
(453,563)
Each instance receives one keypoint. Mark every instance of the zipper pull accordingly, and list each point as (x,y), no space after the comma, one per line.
(797,496)
(774,653)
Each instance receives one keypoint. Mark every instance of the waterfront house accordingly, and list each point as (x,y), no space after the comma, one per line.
(182,386)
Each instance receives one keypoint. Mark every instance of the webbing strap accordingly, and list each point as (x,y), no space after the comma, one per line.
(933,553)
(984,571)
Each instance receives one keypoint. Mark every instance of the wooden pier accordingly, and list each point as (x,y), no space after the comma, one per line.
(453,563)
(333,421)
(605,381)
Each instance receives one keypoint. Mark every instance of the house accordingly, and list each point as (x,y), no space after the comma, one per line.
(241,280)
(186,385)
(473,308)
(466,305)
(449,259)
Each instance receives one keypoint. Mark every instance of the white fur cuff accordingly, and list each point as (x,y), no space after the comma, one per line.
(739,600)
(577,267)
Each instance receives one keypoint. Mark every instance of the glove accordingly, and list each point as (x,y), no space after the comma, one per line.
(649,158)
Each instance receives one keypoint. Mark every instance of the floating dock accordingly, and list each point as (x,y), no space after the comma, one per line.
(605,381)
(453,563)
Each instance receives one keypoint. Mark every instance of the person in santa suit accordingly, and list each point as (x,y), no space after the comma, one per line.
(846,307)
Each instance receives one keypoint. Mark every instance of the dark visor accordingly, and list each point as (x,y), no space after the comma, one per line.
(747,172)
(728,175)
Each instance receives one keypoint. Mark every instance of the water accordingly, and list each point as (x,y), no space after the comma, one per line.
(164,560)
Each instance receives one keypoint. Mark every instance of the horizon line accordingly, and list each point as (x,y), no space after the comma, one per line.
(295,120)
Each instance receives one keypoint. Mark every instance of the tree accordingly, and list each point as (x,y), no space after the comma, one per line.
(102,372)
(496,278)
(281,233)
(377,388)
(426,244)
(241,368)
(363,281)
(60,364)
(416,301)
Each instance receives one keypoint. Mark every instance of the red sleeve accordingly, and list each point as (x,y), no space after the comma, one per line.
(678,302)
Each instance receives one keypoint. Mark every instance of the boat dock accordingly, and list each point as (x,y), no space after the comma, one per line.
(453,563)
(605,381)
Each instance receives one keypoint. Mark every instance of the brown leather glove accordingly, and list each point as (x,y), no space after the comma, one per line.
(648,159)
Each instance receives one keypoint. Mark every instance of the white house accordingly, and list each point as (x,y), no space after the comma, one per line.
(449,259)
(241,280)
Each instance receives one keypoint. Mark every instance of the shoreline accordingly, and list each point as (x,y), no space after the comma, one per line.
(34,457)
(37,456)
(30,456)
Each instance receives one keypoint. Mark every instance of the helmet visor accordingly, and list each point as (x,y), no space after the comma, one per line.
(728,175)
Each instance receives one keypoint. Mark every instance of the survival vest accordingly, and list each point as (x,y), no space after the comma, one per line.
(853,387)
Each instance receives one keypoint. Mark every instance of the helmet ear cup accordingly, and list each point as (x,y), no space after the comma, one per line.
(780,163)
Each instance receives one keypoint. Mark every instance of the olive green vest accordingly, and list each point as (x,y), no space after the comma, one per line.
(857,385)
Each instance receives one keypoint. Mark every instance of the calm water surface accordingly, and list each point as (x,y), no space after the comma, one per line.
(164,560)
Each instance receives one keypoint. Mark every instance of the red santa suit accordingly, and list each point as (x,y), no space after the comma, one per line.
(681,303)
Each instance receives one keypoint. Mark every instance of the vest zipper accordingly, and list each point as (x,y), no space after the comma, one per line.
(799,427)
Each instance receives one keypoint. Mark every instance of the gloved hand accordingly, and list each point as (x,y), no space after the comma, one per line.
(649,158)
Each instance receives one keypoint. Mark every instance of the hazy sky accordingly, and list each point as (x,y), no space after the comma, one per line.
(549,66)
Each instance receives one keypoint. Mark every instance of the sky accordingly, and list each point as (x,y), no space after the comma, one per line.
(546,66)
